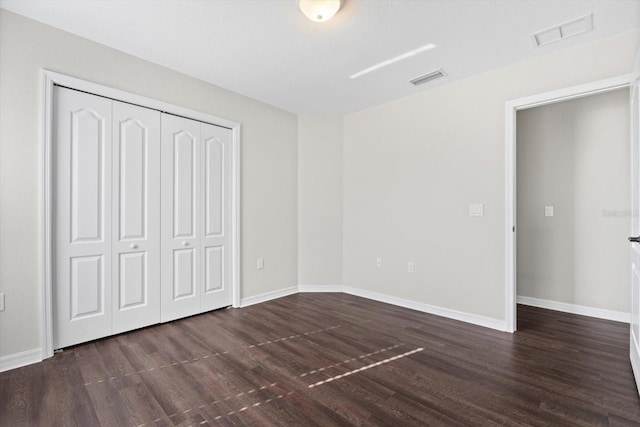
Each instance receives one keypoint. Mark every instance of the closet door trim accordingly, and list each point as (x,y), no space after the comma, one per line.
(51,79)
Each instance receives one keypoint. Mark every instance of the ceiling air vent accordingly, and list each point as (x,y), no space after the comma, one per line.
(428,77)
(564,31)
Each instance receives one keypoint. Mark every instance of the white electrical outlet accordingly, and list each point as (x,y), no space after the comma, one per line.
(260,263)
(548,211)
(2,301)
(379,262)
(410,267)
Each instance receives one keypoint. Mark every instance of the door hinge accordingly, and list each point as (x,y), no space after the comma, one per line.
(514,228)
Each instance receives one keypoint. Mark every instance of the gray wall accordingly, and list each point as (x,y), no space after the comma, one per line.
(574,155)
(413,166)
(319,200)
(269,162)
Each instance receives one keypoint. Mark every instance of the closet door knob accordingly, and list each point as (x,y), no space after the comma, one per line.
(134,246)
(634,239)
(185,243)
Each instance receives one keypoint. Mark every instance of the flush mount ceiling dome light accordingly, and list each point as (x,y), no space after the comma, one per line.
(319,10)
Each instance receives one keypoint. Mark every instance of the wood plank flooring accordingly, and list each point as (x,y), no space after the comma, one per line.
(333,360)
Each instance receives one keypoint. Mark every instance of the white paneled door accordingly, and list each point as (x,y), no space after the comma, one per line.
(135,226)
(181,217)
(216,236)
(82,214)
(195,217)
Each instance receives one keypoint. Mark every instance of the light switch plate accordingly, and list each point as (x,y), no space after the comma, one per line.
(260,263)
(2,302)
(548,211)
(476,210)
(379,262)
(411,267)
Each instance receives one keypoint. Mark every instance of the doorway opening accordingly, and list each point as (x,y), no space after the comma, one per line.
(551,211)
(573,208)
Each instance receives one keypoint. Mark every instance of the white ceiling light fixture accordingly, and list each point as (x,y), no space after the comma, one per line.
(393,60)
(319,10)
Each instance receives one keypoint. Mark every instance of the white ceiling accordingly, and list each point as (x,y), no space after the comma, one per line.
(268,50)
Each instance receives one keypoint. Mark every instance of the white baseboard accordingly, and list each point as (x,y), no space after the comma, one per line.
(487,322)
(268,296)
(18,360)
(319,288)
(600,313)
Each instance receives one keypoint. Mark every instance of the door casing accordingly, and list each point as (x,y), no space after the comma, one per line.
(511,109)
(49,80)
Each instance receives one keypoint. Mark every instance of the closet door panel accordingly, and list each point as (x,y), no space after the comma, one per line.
(184,273)
(136,217)
(215,242)
(214,269)
(87,286)
(185,173)
(82,217)
(181,217)
(133,286)
(214,185)
(88,157)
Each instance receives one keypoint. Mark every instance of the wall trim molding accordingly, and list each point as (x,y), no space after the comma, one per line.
(320,288)
(600,313)
(18,360)
(268,296)
(475,319)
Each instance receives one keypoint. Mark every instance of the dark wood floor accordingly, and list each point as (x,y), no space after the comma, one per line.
(334,359)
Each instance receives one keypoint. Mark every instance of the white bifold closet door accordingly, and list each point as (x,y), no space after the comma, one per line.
(136,217)
(106,213)
(142,216)
(196,210)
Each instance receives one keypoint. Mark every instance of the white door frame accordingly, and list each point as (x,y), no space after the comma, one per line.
(512,107)
(49,79)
